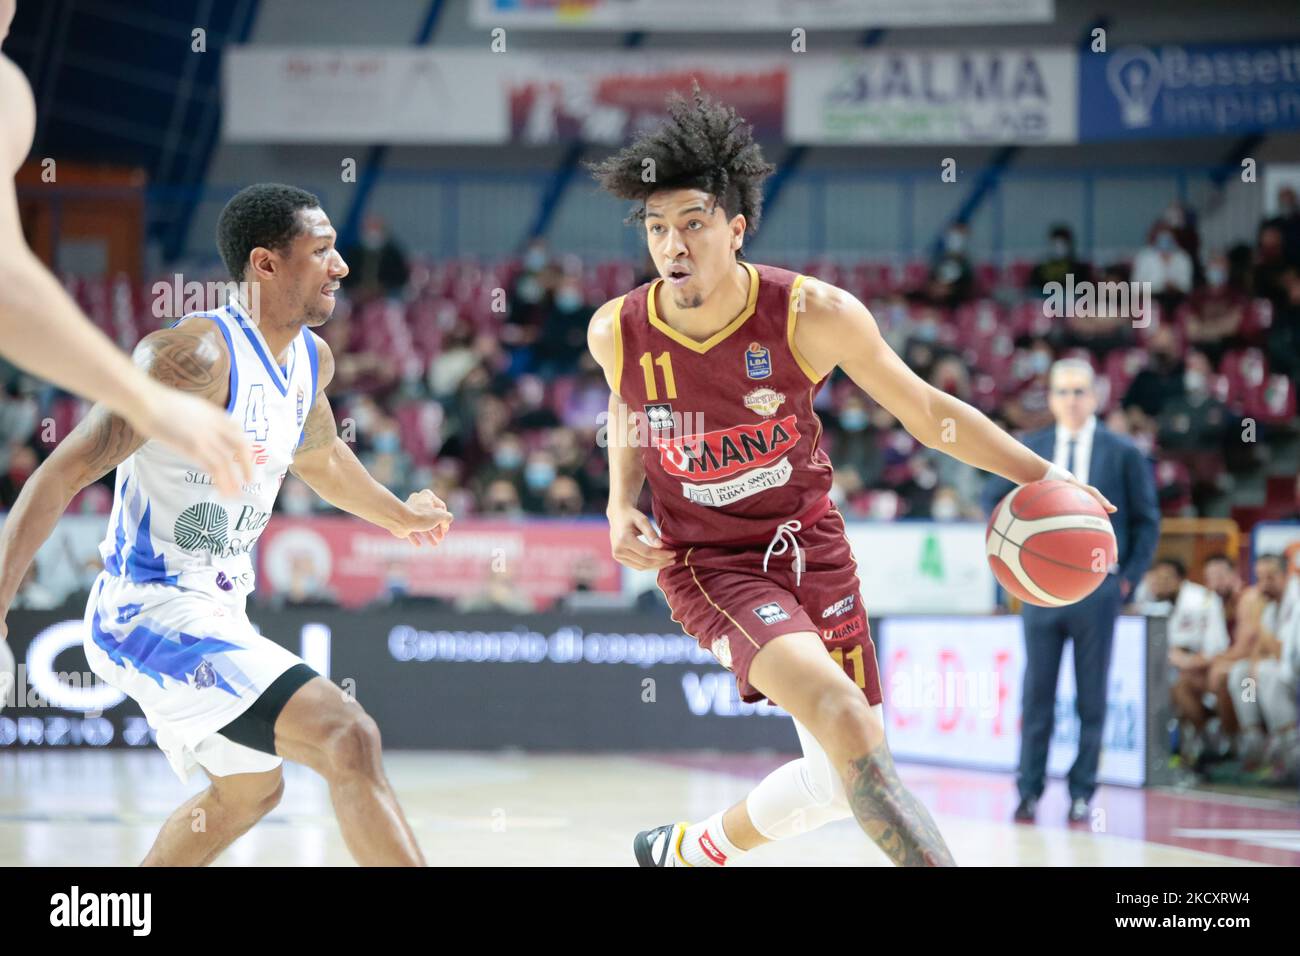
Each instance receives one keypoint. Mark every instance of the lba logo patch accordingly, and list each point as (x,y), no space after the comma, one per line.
(771,613)
(758,361)
(660,417)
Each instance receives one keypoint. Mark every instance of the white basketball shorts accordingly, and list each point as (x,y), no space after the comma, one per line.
(191,661)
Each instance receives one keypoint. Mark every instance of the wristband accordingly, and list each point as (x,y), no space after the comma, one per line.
(1056,473)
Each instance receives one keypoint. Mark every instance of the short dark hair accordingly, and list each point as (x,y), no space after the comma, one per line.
(1277,559)
(702,145)
(1180,569)
(1221,557)
(264,214)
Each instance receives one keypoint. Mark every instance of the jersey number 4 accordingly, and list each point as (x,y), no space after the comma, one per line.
(665,362)
(255,422)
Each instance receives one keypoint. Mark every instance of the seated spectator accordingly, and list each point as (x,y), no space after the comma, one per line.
(1182,223)
(539,475)
(530,409)
(1162,380)
(1270,265)
(507,463)
(1215,312)
(1027,407)
(1194,420)
(856,440)
(948,505)
(454,360)
(1166,266)
(1198,633)
(1256,626)
(950,375)
(952,279)
(1220,575)
(1061,262)
(500,499)
(563,498)
(1287,222)
(563,337)
(377,265)
(1283,345)
(1270,712)
(1108,324)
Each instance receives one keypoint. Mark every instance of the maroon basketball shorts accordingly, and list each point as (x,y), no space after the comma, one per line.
(723,598)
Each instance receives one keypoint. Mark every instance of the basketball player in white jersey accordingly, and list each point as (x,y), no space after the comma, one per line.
(166,622)
(43,331)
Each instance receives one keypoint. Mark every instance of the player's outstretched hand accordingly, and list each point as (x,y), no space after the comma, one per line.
(1101,499)
(201,432)
(426,521)
(626,526)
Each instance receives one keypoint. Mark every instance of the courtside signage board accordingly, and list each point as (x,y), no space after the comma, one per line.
(952,696)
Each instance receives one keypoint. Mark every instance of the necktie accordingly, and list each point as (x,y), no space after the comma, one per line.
(1069,455)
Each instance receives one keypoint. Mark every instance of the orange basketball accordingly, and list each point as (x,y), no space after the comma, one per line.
(1050,543)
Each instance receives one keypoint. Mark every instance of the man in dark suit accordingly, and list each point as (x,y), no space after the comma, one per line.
(1081,445)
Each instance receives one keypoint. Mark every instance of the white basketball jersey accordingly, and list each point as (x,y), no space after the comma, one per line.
(169,524)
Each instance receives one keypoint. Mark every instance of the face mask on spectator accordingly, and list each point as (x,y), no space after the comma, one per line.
(1194,382)
(955,241)
(568,300)
(1165,242)
(853,419)
(1039,362)
(927,331)
(1060,248)
(535,260)
(1216,276)
(539,475)
(507,458)
(387,443)
(530,290)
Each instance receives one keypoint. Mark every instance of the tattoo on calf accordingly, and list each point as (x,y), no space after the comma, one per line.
(893,818)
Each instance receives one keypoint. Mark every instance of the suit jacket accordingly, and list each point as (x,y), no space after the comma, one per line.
(1120,472)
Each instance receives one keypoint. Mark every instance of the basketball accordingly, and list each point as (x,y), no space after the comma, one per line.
(1050,543)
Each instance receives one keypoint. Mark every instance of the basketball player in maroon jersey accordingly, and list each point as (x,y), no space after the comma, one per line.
(751,554)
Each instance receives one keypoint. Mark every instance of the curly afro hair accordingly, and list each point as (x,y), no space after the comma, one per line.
(266,215)
(703,145)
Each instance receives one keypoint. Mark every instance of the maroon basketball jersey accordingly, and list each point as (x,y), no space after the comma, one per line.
(727,430)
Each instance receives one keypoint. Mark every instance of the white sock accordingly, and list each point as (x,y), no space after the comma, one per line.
(706,844)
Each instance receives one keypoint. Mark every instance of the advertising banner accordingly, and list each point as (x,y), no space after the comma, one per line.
(362,95)
(734,15)
(922,567)
(952,695)
(1275,537)
(436,680)
(602,681)
(352,563)
(970,96)
(609,98)
(1152,92)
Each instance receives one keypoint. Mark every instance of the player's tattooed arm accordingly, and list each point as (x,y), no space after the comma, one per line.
(191,357)
(893,818)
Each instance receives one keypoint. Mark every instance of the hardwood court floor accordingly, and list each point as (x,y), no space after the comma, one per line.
(509,809)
